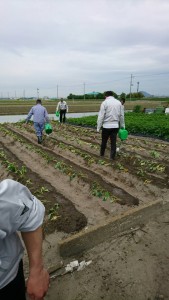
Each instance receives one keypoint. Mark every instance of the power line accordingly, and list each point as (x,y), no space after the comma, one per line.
(106,82)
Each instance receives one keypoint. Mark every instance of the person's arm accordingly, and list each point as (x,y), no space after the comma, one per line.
(38,280)
(100,117)
(46,116)
(58,107)
(122,121)
(67,109)
(30,114)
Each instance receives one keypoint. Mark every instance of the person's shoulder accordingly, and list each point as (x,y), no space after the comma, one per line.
(8,181)
(7,184)
(117,101)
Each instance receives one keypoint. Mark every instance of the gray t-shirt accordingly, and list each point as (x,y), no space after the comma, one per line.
(19,211)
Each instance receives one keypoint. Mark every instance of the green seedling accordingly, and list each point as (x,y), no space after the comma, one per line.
(29,182)
(53,212)
(101,162)
(155,154)
(119,166)
(43,189)
(22,171)
(72,176)
(11,167)
(140,173)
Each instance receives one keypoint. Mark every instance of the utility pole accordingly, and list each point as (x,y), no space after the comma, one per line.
(138,86)
(131,84)
(57,91)
(37,93)
(84,89)
(24,94)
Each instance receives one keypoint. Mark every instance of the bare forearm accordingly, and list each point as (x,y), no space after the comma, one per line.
(33,244)
(38,281)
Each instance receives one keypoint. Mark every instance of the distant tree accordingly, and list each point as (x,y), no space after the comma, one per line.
(122,96)
(70,96)
(135,95)
(90,96)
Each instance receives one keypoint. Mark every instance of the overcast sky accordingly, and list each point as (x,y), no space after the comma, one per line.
(72,46)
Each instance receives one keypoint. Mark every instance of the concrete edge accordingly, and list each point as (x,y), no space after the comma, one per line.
(110,228)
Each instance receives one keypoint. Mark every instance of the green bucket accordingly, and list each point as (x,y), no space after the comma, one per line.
(123,134)
(48,128)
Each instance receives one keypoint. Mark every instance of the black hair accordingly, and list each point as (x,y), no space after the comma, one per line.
(122,100)
(39,101)
(108,93)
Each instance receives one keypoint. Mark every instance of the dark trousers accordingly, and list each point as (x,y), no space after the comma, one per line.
(106,133)
(62,115)
(15,290)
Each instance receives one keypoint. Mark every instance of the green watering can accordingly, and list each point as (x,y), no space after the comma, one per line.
(48,128)
(123,134)
(57,113)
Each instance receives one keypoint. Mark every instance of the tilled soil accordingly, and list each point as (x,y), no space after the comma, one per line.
(78,187)
(133,266)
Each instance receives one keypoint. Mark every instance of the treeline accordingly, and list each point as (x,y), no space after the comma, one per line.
(102,96)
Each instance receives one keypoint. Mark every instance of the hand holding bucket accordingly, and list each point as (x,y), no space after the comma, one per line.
(48,128)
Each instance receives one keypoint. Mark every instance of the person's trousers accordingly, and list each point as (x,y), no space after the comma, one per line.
(15,290)
(62,115)
(39,127)
(112,134)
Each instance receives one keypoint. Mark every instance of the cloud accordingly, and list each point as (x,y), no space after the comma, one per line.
(66,43)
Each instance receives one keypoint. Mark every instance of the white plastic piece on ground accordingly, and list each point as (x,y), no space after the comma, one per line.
(83,264)
(75,265)
(70,267)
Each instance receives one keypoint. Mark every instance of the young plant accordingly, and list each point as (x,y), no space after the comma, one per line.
(53,212)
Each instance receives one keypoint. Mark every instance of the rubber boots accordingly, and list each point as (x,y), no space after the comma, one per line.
(39,139)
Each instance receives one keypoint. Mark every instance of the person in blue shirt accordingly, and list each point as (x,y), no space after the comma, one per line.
(40,117)
(22,212)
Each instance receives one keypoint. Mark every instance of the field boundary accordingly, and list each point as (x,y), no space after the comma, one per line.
(111,228)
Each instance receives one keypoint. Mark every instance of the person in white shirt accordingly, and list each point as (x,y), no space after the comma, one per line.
(62,107)
(22,212)
(111,116)
(122,102)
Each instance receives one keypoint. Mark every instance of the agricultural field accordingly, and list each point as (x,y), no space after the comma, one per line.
(79,188)
(19,107)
